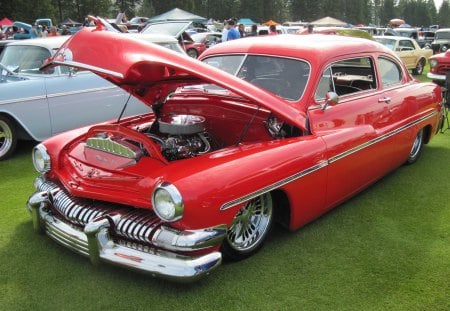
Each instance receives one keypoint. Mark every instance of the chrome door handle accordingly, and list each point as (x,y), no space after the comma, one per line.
(386,100)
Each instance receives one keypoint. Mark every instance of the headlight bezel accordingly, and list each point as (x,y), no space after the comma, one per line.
(167,202)
(41,159)
(433,63)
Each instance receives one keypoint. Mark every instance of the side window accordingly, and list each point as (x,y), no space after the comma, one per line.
(406,45)
(390,73)
(347,76)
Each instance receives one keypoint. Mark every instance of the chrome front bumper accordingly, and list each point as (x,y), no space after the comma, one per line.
(434,76)
(94,240)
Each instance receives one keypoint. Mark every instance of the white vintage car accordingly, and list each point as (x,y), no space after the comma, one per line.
(35,105)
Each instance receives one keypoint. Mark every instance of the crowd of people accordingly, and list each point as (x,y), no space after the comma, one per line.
(230,32)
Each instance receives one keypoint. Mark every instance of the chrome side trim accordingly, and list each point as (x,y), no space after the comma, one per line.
(21,100)
(276,185)
(381,138)
(55,95)
(322,164)
(98,89)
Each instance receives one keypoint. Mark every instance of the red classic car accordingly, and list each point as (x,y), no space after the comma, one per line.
(264,130)
(439,67)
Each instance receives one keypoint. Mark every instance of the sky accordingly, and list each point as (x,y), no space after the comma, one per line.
(438,3)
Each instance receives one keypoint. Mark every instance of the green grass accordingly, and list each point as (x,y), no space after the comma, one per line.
(388,248)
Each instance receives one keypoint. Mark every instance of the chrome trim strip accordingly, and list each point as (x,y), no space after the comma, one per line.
(276,185)
(321,164)
(380,138)
(55,95)
(20,100)
(104,88)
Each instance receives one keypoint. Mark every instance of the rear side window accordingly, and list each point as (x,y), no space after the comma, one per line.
(390,72)
(347,76)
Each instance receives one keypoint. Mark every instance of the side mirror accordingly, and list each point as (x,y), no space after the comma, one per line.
(331,99)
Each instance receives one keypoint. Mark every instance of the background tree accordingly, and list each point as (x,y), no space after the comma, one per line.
(378,12)
(444,14)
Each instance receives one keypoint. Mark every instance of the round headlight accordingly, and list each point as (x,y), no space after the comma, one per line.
(433,63)
(41,159)
(167,202)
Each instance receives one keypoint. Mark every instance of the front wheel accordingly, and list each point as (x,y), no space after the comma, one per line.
(249,229)
(8,137)
(419,68)
(192,53)
(416,149)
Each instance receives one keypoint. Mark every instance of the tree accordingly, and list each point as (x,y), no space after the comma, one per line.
(444,14)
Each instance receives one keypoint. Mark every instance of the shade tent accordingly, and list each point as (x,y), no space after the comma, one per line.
(6,22)
(329,21)
(178,15)
(246,22)
(270,22)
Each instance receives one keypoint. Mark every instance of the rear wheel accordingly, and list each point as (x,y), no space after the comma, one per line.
(416,149)
(419,68)
(8,137)
(249,229)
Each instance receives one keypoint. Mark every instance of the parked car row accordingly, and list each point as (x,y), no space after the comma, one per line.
(260,131)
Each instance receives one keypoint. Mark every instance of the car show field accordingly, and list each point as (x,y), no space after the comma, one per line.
(284,172)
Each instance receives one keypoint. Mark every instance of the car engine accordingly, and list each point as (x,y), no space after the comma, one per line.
(181,136)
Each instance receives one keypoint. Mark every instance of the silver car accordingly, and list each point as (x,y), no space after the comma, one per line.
(35,105)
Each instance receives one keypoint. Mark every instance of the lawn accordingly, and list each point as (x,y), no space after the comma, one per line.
(388,248)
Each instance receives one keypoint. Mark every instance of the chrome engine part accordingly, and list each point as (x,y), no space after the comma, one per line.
(182,136)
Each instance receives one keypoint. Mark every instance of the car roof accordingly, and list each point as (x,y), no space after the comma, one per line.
(317,47)
(49,43)
(394,37)
(443,30)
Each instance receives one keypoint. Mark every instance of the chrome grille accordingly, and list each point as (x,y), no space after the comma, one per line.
(134,224)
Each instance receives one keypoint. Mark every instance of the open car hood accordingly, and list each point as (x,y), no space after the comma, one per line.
(151,72)
(171,28)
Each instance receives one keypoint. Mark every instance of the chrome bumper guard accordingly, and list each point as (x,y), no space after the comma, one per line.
(95,242)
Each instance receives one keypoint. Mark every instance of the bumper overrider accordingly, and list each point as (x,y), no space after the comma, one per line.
(129,237)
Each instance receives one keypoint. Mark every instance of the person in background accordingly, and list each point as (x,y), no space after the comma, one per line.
(34,31)
(44,31)
(273,30)
(241,29)
(53,32)
(225,31)
(254,31)
(65,31)
(233,33)
(310,28)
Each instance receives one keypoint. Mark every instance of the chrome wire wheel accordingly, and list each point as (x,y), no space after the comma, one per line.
(416,148)
(7,138)
(250,227)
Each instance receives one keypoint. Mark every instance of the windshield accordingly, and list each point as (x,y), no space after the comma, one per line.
(442,35)
(24,59)
(284,77)
(389,43)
